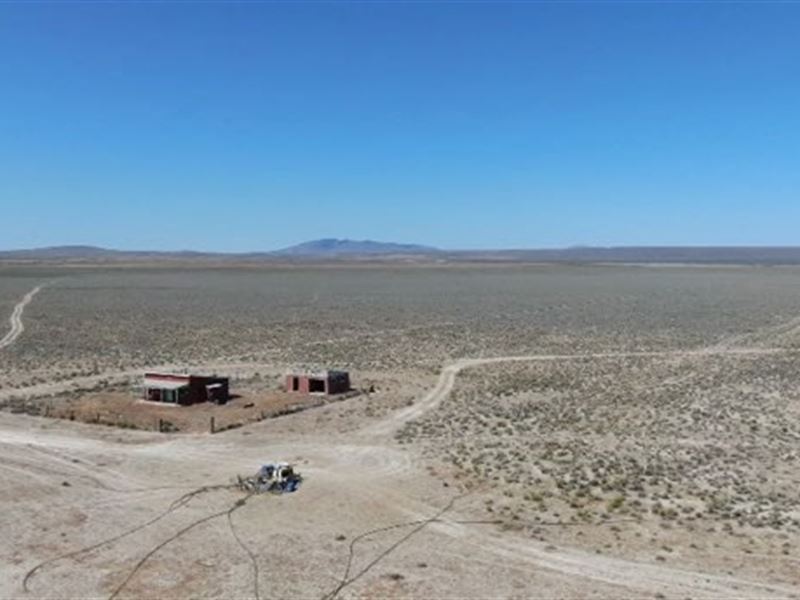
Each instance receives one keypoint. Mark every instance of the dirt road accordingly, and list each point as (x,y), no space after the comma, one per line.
(91,511)
(430,400)
(17,325)
(120,483)
(447,377)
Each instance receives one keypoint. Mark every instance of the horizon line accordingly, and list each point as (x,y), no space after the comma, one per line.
(422,247)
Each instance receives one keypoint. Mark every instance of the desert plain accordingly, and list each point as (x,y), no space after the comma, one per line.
(522,430)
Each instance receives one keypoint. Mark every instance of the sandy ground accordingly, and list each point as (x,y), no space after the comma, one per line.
(99,512)
(128,411)
(67,486)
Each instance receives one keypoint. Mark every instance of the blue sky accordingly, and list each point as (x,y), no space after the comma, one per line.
(253,126)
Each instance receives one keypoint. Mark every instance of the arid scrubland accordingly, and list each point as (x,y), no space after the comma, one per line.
(657,422)
(683,440)
(90,321)
(668,458)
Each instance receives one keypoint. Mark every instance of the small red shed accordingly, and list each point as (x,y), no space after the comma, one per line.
(319,382)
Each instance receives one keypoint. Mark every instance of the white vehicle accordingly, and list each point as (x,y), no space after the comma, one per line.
(275,477)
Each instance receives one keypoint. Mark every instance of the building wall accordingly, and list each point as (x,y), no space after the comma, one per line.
(302,384)
(197,386)
(339,385)
(331,385)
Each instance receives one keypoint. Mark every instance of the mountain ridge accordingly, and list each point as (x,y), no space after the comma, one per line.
(339,247)
(344,250)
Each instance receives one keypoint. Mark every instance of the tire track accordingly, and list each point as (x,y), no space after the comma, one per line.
(17,326)
(155,549)
(419,525)
(175,505)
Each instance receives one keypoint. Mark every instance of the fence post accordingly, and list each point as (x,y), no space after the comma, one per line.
(211,424)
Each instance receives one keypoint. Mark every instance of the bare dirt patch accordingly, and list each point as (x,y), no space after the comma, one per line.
(121,409)
(635,470)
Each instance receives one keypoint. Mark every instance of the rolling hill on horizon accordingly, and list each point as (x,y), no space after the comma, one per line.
(325,247)
(344,250)
(340,247)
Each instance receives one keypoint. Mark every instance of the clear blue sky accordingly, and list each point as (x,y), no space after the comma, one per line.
(463,125)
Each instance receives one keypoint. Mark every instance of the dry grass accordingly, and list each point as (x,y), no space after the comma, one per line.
(675,447)
(687,460)
(92,321)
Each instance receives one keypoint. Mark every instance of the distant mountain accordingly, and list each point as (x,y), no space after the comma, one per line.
(738,255)
(343,251)
(59,253)
(329,247)
(95,253)
(318,249)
